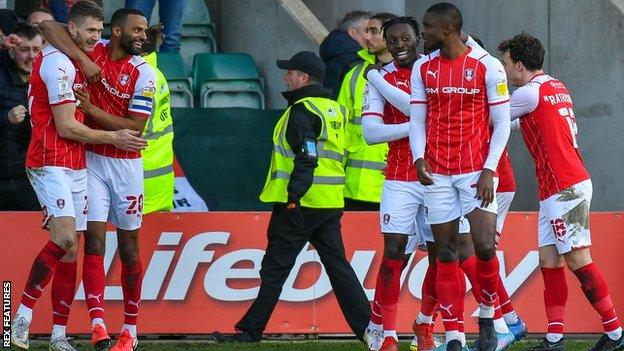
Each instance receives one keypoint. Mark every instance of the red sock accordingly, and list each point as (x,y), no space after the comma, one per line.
(429,301)
(448,288)
(390,273)
(487,277)
(63,291)
(375,305)
(41,273)
(503,298)
(595,287)
(131,281)
(555,298)
(461,300)
(469,266)
(93,279)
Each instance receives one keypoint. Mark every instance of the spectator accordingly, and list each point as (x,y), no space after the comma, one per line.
(171,13)
(60,8)
(39,15)
(344,48)
(8,21)
(16,192)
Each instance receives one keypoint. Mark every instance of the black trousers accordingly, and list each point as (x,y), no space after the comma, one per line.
(322,229)
(17,194)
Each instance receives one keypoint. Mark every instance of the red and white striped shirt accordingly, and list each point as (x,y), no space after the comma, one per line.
(126,86)
(52,81)
(400,163)
(458,94)
(549,129)
(506,179)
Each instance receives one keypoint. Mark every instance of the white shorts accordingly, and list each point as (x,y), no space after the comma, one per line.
(62,192)
(399,208)
(504,202)
(453,196)
(564,218)
(424,232)
(115,190)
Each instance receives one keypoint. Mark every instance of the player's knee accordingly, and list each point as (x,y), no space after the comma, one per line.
(94,246)
(128,253)
(71,254)
(447,254)
(394,253)
(66,242)
(486,251)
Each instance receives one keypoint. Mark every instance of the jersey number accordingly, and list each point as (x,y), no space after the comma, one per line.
(568,114)
(136,204)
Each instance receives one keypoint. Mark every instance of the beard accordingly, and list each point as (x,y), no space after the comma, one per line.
(127,43)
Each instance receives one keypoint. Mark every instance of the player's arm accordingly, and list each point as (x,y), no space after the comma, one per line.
(417,127)
(69,128)
(57,35)
(395,96)
(374,130)
(134,121)
(58,74)
(498,100)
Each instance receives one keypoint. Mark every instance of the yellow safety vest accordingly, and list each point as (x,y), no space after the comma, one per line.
(158,156)
(364,177)
(328,183)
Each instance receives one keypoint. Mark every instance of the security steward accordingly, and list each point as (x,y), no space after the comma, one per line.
(305,183)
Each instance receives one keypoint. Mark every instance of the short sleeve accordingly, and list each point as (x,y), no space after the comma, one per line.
(143,96)
(495,81)
(58,73)
(524,100)
(419,93)
(373,102)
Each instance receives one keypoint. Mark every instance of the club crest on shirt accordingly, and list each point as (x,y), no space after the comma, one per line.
(469,74)
(60,203)
(386,218)
(124,79)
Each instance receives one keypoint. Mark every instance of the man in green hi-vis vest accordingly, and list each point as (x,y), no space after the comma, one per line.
(305,183)
(364,164)
(158,156)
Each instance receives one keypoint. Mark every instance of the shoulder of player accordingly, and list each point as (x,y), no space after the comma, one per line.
(425,59)
(52,57)
(389,68)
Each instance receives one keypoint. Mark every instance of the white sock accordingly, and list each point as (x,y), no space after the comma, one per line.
(454,335)
(500,326)
(553,337)
(131,328)
(58,331)
(390,333)
(25,312)
(374,326)
(511,317)
(615,334)
(96,321)
(422,319)
(486,311)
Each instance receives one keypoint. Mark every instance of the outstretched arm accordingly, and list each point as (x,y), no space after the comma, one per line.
(57,35)
(374,130)
(395,96)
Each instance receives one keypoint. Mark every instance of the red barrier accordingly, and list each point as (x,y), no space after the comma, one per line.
(202,274)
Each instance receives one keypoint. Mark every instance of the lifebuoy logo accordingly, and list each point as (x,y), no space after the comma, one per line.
(224,269)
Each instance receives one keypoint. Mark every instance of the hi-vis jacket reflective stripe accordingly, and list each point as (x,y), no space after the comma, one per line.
(158,156)
(328,182)
(364,177)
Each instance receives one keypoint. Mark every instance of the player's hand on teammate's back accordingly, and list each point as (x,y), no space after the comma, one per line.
(485,187)
(84,101)
(424,172)
(378,66)
(90,70)
(129,140)
(17,114)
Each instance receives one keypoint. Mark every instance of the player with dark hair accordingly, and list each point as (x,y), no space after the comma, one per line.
(122,98)
(401,198)
(55,165)
(457,91)
(543,110)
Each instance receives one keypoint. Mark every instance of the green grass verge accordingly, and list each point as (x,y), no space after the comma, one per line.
(322,345)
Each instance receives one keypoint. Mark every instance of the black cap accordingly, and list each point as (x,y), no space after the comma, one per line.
(306,62)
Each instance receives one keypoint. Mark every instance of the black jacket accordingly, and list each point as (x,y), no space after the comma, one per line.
(14,138)
(302,125)
(339,52)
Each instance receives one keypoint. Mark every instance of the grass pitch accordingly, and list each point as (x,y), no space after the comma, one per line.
(319,345)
